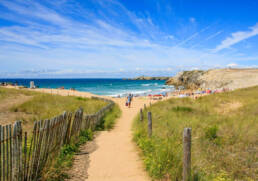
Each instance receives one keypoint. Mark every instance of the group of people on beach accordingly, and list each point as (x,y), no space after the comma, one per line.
(129,99)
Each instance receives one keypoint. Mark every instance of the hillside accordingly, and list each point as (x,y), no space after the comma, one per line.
(216,78)
(224,136)
(29,106)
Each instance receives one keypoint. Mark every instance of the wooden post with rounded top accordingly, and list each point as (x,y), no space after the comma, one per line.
(149,124)
(141,115)
(187,154)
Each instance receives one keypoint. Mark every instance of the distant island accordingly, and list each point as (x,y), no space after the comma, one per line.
(148,78)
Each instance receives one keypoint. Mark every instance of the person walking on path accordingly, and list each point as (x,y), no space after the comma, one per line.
(129,100)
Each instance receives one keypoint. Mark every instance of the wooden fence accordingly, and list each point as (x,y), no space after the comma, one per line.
(187,141)
(22,158)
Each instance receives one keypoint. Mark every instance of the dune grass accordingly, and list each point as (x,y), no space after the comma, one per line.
(109,119)
(45,106)
(224,136)
(7,93)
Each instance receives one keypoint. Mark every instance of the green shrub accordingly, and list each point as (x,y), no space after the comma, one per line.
(211,133)
(85,136)
(182,109)
(110,118)
(81,98)
(68,150)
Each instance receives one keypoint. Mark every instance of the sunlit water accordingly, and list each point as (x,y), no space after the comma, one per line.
(109,87)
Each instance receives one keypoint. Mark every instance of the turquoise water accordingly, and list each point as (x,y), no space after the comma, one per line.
(109,87)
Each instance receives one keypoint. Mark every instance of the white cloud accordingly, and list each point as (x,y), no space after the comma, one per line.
(193,36)
(232,65)
(237,37)
(34,10)
(213,35)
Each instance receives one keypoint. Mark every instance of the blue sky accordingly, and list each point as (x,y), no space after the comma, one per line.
(126,38)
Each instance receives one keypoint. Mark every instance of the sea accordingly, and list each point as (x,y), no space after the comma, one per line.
(107,87)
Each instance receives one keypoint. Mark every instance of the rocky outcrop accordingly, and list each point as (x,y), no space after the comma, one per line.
(187,79)
(215,78)
(149,78)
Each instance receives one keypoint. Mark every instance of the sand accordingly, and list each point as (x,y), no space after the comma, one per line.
(116,158)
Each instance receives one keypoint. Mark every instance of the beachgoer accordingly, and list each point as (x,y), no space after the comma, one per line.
(129,100)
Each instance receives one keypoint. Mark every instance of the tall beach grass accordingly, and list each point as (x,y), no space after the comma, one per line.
(224,136)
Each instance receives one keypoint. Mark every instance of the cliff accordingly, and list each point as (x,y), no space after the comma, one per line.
(215,78)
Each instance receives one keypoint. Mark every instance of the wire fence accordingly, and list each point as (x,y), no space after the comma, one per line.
(22,158)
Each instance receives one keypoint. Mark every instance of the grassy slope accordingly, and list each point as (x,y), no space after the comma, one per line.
(224,136)
(45,106)
(6,93)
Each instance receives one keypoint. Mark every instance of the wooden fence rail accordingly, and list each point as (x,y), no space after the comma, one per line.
(23,157)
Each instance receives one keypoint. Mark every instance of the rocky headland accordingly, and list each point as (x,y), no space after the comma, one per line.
(215,78)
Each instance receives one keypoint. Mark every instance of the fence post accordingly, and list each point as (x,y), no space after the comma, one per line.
(187,154)
(149,124)
(141,115)
(144,106)
(1,152)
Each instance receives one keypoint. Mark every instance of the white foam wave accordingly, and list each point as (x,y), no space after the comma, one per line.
(146,85)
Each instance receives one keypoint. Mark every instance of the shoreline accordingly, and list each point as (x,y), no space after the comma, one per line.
(110,88)
(194,94)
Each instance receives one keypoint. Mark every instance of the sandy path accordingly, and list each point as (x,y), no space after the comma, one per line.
(116,157)
(112,155)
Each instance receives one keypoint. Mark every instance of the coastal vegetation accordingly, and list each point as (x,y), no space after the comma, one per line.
(59,167)
(224,136)
(29,106)
(109,119)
